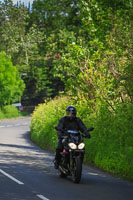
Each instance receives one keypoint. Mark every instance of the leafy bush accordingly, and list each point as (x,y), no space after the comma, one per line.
(11,86)
(44,119)
(110,146)
(9,112)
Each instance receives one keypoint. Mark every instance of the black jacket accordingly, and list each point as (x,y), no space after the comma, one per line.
(67,123)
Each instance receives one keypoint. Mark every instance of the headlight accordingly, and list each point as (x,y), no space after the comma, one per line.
(81,146)
(72,146)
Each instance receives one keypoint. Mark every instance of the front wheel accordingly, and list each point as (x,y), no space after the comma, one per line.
(77,170)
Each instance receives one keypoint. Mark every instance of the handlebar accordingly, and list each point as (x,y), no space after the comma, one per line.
(57,129)
(90,129)
(74,132)
(66,137)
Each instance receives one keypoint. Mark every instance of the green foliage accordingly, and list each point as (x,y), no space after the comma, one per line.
(85,47)
(84,50)
(9,112)
(56,14)
(13,21)
(24,41)
(11,86)
(110,146)
(44,119)
(113,140)
(41,82)
(93,57)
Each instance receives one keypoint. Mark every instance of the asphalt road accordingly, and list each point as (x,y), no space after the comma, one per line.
(27,172)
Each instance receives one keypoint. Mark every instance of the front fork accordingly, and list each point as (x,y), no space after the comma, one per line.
(73,155)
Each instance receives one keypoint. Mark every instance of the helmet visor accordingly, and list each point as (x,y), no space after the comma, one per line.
(71,112)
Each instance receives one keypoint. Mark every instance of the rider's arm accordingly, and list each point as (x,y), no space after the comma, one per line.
(59,128)
(82,127)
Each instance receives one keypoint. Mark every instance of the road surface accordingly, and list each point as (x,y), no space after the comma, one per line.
(27,172)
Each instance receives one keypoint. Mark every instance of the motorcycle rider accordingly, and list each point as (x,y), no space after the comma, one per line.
(68,122)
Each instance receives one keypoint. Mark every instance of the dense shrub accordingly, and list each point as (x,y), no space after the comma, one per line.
(9,112)
(110,146)
(44,119)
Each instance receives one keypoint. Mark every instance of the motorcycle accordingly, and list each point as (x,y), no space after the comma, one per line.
(72,155)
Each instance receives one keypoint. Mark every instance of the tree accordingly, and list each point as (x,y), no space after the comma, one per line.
(84,45)
(40,82)
(11,86)
(96,65)
(13,22)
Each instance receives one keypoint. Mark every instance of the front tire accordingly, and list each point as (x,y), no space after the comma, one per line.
(77,170)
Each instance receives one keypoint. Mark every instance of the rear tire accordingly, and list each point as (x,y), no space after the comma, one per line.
(77,170)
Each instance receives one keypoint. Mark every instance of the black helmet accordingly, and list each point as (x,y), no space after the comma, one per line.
(71,109)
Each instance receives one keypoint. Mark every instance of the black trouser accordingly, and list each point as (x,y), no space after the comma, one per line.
(58,150)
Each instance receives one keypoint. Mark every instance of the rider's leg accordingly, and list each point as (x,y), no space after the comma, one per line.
(57,155)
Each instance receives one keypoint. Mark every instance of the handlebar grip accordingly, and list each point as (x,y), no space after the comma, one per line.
(91,129)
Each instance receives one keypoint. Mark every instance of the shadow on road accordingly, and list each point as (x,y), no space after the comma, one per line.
(19,146)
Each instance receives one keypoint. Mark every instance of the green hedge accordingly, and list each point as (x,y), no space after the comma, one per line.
(111,145)
(109,148)
(9,112)
(44,119)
